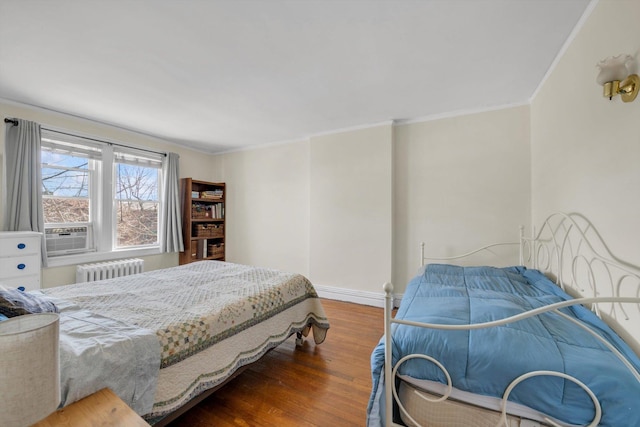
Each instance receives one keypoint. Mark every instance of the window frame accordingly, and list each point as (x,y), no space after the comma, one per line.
(102,213)
(114,214)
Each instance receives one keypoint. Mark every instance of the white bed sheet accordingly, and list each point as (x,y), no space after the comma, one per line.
(98,352)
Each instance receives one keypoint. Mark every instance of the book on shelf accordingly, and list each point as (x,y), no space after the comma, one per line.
(211,194)
(218,211)
(202,249)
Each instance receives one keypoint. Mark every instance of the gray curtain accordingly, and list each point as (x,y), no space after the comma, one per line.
(23,207)
(171,226)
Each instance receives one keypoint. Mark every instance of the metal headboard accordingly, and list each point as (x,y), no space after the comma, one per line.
(570,250)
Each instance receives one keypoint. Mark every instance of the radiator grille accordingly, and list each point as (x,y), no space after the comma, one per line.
(108,270)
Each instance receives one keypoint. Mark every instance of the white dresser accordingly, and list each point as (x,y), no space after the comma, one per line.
(20,259)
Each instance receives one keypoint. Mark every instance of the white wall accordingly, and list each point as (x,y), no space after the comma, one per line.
(194,164)
(351,209)
(320,207)
(460,183)
(267,209)
(585,148)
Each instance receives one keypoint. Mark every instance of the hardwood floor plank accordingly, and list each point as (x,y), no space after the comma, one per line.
(309,386)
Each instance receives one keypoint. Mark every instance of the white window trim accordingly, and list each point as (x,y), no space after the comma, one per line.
(105,221)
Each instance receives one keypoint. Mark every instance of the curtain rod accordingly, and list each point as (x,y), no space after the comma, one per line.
(14,122)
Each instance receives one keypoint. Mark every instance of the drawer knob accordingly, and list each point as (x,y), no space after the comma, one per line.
(21,246)
(21,266)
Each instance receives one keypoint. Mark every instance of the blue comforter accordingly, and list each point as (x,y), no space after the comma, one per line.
(485,361)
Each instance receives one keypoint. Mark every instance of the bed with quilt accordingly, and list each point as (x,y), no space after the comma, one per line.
(502,346)
(160,338)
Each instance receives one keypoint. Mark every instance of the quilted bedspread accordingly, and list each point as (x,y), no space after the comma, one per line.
(485,361)
(194,306)
(195,325)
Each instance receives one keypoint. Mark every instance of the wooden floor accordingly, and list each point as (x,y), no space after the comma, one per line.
(327,385)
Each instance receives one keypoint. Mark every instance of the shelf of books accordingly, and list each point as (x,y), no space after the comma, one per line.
(203,223)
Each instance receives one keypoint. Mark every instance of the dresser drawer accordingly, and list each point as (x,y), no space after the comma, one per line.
(19,266)
(28,282)
(20,259)
(19,245)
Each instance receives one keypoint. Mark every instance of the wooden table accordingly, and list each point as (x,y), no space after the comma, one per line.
(101,409)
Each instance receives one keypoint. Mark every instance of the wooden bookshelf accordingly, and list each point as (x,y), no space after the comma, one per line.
(203,222)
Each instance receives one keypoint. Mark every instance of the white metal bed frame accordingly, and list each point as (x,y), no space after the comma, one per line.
(569,250)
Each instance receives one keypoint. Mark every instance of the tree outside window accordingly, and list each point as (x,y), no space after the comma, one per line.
(136,204)
(65,188)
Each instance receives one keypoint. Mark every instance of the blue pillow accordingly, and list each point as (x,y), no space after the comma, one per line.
(3,317)
(14,302)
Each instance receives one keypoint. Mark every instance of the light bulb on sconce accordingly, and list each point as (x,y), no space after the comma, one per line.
(616,77)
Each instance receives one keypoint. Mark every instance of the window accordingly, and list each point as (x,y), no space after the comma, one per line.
(98,196)
(65,187)
(136,200)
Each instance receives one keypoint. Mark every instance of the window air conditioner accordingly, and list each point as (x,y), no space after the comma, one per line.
(67,240)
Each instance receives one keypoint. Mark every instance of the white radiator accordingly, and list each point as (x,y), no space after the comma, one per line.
(108,270)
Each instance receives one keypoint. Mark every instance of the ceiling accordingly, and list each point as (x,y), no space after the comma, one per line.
(223,75)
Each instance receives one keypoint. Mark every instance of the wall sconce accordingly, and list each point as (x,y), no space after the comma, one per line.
(616,77)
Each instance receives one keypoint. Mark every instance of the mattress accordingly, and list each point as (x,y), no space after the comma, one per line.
(460,409)
(461,406)
(209,318)
(482,361)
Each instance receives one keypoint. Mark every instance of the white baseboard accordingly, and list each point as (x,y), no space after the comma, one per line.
(375,299)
